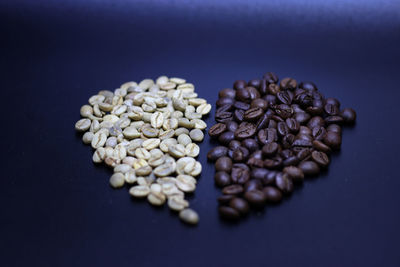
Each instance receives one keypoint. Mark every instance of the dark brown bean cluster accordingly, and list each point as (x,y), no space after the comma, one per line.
(272,135)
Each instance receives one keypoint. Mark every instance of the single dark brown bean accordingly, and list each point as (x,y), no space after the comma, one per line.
(331,109)
(318,133)
(288,83)
(302,117)
(217,129)
(334,120)
(253,184)
(288,140)
(305,130)
(222,179)
(310,86)
(269,179)
(315,121)
(271,77)
(320,146)
(225,101)
(303,99)
(228,213)
(293,160)
(216,153)
(240,205)
(285,97)
(303,153)
(256,198)
(225,199)
(272,194)
(227,92)
(259,103)
(256,163)
(270,149)
(282,128)
(309,168)
(303,142)
(253,114)
(271,99)
(283,111)
(267,136)
(286,153)
(332,101)
(253,92)
(334,128)
(273,163)
(224,116)
(245,130)
(293,125)
(262,122)
(241,105)
(224,164)
(234,144)
(295,173)
(240,173)
(226,137)
(250,144)
(238,115)
(231,126)
(272,124)
(320,158)
(273,89)
(239,84)
(349,115)
(333,140)
(243,94)
(263,89)
(234,189)
(259,173)
(240,154)
(284,183)
(254,83)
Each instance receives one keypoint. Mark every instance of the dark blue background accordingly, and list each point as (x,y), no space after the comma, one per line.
(57,208)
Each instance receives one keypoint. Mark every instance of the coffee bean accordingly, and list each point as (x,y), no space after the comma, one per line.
(216,153)
(332,101)
(271,99)
(310,86)
(253,185)
(315,121)
(309,168)
(272,194)
(225,101)
(318,132)
(243,94)
(225,199)
(321,158)
(267,136)
(253,92)
(228,92)
(284,183)
(240,205)
(224,116)
(250,144)
(349,115)
(228,213)
(334,119)
(270,149)
(245,130)
(240,154)
(256,198)
(271,77)
(303,153)
(226,137)
(258,173)
(216,130)
(331,109)
(293,160)
(321,146)
(234,144)
(293,125)
(288,84)
(302,117)
(240,173)
(231,126)
(282,129)
(222,179)
(295,173)
(273,163)
(223,164)
(285,97)
(259,103)
(273,89)
(253,114)
(333,140)
(234,189)
(241,105)
(238,115)
(262,122)
(239,84)
(334,128)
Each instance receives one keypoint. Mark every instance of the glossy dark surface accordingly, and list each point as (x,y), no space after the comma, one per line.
(57,208)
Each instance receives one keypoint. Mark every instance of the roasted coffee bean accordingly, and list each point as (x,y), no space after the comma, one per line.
(331,109)
(285,97)
(282,128)
(293,160)
(223,164)
(253,114)
(269,179)
(273,163)
(303,153)
(231,126)
(284,183)
(216,153)
(225,101)
(309,168)
(272,194)
(270,149)
(240,154)
(245,130)
(254,83)
(228,213)
(310,86)
(315,121)
(286,153)
(222,179)
(334,128)
(239,84)
(288,140)
(302,117)
(225,199)
(250,144)
(283,111)
(321,158)
(318,133)
(234,189)
(288,84)
(253,185)
(349,115)
(267,136)
(333,140)
(332,101)
(240,205)
(263,89)
(295,173)
(256,163)
(227,92)
(243,94)
(255,198)
(320,146)
(259,103)
(305,130)
(216,130)
(293,125)
(271,77)
(258,173)
(253,92)
(303,142)
(234,144)
(226,137)
(271,99)
(273,89)
(238,115)
(262,122)
(240,173)
(241,105)
(304,99)
(317,107)
(334,119)
(272,124)
(224,108)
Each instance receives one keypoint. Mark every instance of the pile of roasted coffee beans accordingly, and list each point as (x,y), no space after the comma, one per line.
(147,132)
(272,135)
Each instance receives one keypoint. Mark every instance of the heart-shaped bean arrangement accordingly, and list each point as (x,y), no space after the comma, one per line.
(272,134)
(147,133)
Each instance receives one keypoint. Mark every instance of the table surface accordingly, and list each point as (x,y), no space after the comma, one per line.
(57,208)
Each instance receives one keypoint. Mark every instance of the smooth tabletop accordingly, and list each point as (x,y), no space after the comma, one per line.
(57,208)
